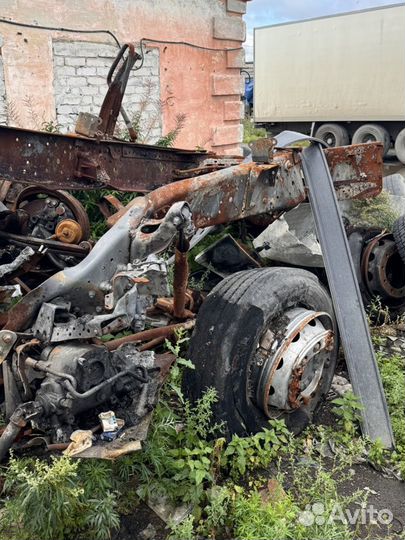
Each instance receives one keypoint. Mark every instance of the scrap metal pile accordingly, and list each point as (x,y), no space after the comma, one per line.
(59,372)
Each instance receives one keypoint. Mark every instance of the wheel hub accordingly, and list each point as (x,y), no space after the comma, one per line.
(330,139)
(383,271)
(292,365)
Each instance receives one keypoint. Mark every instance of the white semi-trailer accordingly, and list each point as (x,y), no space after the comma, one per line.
(340,77)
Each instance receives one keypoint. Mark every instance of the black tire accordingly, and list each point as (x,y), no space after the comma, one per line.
(399,236)
(394,184)
(400,146)
(230,323)
(333,135)
(370,133)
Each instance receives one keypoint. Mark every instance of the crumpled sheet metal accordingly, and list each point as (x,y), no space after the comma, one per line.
(291,239)
(26,254)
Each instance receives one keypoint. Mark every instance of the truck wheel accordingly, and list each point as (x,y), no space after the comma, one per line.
(333,134)
(266,340)
(400,146)
(372,133)
(398,231)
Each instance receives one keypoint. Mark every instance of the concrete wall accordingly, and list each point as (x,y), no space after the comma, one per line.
(203,85)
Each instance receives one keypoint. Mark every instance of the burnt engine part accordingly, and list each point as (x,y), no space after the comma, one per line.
(54,215)
(69,380)
(52,225)
(74,378)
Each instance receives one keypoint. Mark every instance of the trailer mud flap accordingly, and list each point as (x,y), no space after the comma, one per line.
(344,288)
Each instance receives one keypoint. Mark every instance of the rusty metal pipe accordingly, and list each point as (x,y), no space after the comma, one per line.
(16,423)
(52,245)
(8,437)
(152,344)
(145,335)
(180,279)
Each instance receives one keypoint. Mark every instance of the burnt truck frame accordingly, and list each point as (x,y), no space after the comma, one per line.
(55,367)
(267,339)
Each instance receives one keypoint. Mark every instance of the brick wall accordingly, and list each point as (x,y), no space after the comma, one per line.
(3,100)
(51,75)
(227,87)
(80,72)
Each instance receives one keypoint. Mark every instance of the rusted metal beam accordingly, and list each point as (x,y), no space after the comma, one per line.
(356,170)
(180,277)
(75,162)
(151,334)
(112,103)
(252,189)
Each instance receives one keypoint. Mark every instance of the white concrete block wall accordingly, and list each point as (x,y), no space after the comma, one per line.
(80,72)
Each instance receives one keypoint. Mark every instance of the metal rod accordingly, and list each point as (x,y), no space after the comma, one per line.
(52,245)
(152,344)
(145,335)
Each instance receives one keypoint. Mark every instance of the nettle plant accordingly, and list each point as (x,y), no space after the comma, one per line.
(347,409)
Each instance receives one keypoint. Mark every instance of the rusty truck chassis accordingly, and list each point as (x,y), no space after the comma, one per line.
(55,366)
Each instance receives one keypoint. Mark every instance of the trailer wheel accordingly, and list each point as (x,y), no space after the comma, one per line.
(400,146)
(372,133)
(266,340)
(333,134)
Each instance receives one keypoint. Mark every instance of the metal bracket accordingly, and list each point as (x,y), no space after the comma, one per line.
(344,288)
(7,340)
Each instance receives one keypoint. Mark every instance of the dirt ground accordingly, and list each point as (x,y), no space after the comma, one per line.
(384,493)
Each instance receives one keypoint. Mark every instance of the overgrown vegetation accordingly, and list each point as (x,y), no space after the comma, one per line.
(55,500)
(252,133)
(91,201)
(376,212)
(392,369)
(263,486)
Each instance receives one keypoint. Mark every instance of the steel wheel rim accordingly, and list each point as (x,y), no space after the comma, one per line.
(291,367)
(376,264)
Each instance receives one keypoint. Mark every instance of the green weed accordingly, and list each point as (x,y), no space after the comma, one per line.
(376,212)
(347,409)
(392,370)
(246,453)
(58,500)
(252,133)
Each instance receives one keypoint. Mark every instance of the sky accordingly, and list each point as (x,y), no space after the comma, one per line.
(264,12)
